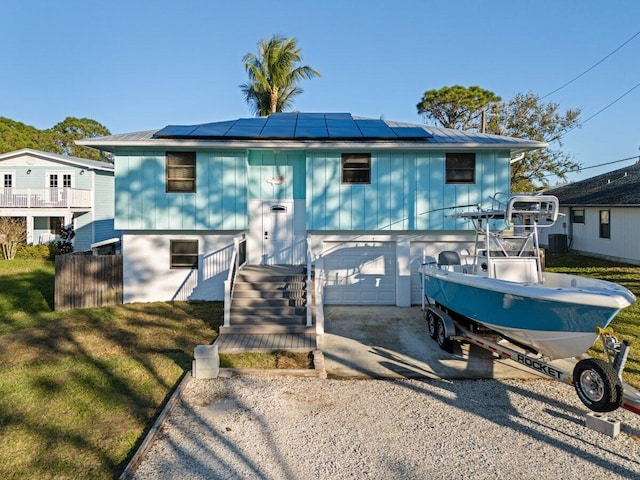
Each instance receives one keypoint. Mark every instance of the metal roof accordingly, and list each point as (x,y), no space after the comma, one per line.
(312,131)
(76,161)
(617,188)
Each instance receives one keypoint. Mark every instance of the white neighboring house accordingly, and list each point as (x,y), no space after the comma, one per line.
(602,216)
(50,191)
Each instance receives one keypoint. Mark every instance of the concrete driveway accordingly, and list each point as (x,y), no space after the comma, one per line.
(393,342)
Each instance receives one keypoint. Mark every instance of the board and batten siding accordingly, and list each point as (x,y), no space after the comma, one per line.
(407,191)
(220,201)
(103,208)
(266,165)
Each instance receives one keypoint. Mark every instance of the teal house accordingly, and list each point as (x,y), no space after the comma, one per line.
(360,200)
(50,191)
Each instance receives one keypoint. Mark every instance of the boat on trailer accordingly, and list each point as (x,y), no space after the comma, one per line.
(500,287)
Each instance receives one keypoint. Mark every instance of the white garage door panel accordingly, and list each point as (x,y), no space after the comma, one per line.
(360,273)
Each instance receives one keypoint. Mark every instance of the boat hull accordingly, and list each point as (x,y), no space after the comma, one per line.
(558,322)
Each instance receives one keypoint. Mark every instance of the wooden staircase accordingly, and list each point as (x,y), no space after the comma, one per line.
(269,299)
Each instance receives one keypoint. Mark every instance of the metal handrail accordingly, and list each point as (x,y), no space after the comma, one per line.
(309,287)
(238,259)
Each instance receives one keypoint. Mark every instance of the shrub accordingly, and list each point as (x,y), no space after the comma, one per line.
(32,251)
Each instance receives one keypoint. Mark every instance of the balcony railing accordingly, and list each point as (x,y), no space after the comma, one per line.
(45,198)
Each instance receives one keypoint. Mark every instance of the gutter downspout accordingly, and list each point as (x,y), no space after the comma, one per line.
(516,159)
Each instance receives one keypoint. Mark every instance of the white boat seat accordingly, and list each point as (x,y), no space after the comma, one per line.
(449,260)
(514,269)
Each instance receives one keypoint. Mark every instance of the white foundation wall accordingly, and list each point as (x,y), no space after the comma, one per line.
(148,278)
(409,251)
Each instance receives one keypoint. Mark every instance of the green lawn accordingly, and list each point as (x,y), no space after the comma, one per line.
(80,388)
(626,324)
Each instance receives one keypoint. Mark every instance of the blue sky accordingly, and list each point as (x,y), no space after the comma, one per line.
(137,65)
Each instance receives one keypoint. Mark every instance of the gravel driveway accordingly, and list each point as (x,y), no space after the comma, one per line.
(304,428)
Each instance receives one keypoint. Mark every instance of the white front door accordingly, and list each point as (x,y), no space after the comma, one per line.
(277,232)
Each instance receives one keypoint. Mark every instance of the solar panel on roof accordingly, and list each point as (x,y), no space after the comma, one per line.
(175,131)
(375,129)
(411,132)
(311,132)
(280,131)
(333,116)
(247,131)
(212,129)
(298,125)
(340,127)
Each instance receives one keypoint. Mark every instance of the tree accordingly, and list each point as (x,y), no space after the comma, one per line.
(525,116)
(274,74)
(58,139)
(16,135)
(71,129)
(457,107)
(13,232)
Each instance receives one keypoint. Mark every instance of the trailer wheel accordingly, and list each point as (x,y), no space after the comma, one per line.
(597,385)
(441,337)
(432,323)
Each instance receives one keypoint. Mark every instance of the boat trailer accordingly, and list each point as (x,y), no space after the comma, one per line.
(597,382)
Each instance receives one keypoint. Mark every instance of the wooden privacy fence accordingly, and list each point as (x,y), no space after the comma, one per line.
(84,281)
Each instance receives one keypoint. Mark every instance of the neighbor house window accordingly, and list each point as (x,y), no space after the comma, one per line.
(8,180)
(66,180)
(577,215)
(55,225)
(605,226)
(184,254)
(356,168)
(461,167)
(181,172)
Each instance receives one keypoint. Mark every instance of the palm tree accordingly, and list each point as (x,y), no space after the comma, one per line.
(274,74)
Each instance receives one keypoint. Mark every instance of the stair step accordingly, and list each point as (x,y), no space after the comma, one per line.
(255,302)
(267,310)
(260,286)
(280,294)
(263,329)
(248,319)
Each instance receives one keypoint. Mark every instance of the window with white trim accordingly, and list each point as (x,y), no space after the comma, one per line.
(7,180)
(605,224)
(577,215)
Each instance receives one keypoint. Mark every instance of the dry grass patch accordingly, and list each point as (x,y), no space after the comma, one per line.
(278,359)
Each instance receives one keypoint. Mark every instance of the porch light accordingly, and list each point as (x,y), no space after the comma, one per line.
(29,172)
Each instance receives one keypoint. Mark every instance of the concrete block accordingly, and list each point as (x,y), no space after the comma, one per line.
(206,363)
(603,424)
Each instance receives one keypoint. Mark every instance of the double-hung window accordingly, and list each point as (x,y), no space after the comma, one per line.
(8,180)
(605,225)
(181,172)
(184,254)
(577,215)
(356,168)
(461,168)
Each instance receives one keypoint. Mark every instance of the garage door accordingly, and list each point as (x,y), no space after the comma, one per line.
(359,273)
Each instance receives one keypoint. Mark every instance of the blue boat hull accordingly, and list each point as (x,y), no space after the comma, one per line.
(554,327)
